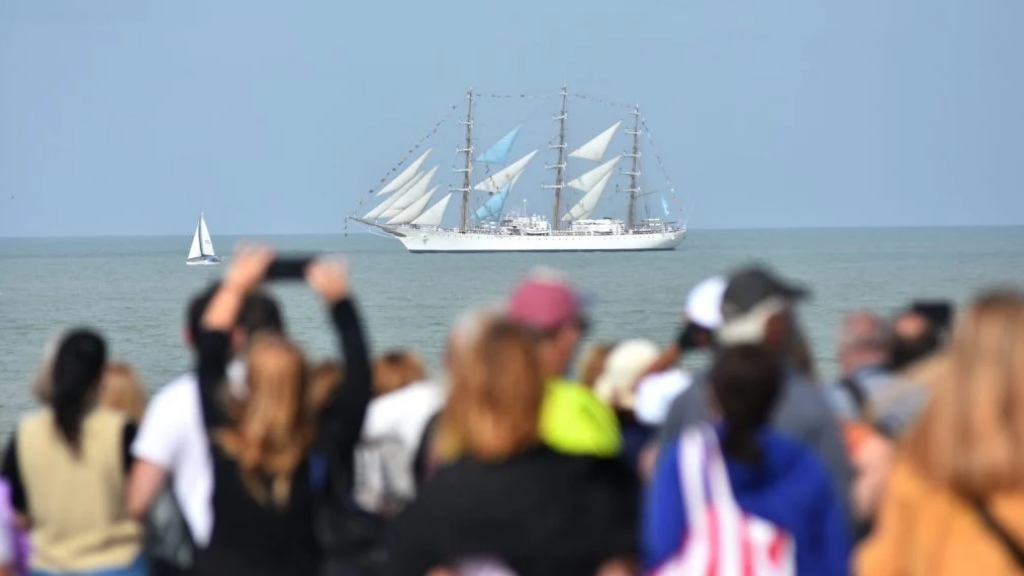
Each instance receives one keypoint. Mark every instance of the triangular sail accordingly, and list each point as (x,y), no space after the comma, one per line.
(205,242)
(498,154)
(585,207)
(414,210)
(411,195)
(595,149)
(405,176)
(195,251)
(492,208)
(435,214)
(380,208)
(507,175)
(587,181)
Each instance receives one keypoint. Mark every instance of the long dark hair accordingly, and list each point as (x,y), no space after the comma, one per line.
(746,381)
(77,370)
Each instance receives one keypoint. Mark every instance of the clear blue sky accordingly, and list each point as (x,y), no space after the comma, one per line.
(130,116)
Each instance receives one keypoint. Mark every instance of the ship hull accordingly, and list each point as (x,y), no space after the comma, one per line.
(450,241)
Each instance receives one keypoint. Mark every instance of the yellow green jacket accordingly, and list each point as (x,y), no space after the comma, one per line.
(574,421)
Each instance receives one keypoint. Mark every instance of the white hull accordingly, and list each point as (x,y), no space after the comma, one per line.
(204,261)
(436,240)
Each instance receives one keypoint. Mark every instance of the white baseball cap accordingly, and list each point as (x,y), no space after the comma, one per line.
(704,302)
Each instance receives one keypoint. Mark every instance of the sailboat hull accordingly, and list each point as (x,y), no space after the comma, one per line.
(421,241)
(203,261)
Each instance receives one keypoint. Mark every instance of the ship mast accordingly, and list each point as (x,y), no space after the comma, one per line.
(634,171)
(467,169)
(560,166)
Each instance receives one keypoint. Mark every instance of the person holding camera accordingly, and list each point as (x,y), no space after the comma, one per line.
(263,496)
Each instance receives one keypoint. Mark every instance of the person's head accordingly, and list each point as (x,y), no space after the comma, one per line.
(42,380)
(863,341)
(396,369)
(122,390)
(274,424)
(746,381)
(260,313)
(467,330)
(494,404)
(77,369)
(703,314)
(757,308)
(914,338)
(591,362)
(626,363)
(546,304)
(968,437)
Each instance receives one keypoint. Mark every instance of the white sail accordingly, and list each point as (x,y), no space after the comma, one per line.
(415,209)
(206,243)
(380,208)
(435,214)
(587,181)
(595,149)
(406,175)
(195,251)
(585,207)
(508,174)
(411,195)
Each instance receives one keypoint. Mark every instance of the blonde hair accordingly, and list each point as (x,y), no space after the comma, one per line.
(591,362)
(274,426)
(122,390)
(969,436)
(396,369)
(494,404)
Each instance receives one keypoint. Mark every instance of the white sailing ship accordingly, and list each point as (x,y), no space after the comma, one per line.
(406,214)
(201,253)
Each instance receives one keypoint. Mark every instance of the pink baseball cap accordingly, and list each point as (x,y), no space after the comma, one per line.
(545,300)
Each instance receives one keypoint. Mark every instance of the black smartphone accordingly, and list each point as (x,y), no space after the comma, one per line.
(938,312)
(692,336)
(288,268)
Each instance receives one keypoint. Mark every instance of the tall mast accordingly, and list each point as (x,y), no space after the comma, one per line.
(560,166)
(634,170)
(467,169)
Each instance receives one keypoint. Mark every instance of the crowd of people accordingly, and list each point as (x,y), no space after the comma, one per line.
(526,455)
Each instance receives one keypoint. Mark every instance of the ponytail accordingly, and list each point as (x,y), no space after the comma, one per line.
(746,381)
(77,370)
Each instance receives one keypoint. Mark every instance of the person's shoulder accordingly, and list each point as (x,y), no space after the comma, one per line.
(184,388)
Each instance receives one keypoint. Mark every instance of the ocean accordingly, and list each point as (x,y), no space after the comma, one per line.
(135,290)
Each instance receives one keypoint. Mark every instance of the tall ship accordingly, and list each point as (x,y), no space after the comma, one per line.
(404,210)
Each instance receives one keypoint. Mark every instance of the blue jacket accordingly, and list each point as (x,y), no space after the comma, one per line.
(790,487)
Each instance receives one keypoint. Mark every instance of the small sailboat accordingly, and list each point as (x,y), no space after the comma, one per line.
(201,253)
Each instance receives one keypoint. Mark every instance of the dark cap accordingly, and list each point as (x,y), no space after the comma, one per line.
(754,285)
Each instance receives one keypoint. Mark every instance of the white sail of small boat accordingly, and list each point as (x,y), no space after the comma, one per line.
(202,252)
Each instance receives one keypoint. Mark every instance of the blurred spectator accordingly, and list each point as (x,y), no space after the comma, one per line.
(626,363)
(954,503)
(508,497)
(591,362)
(573,420)
(121,390)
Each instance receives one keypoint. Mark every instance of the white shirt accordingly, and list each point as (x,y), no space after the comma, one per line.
(392,432)
(655,394)
(172,436)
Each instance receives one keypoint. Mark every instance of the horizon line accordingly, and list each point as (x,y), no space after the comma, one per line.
(688,230)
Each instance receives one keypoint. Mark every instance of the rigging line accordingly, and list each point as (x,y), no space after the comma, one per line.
(601,101)
(411,151)
(657,157)
(521,96)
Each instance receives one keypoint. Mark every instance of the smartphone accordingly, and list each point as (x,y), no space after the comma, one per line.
(288,268)
(938,312)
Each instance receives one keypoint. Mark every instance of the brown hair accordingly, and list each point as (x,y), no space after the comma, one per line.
(274,426)
(121,390)
(396,369)
(592,362)
(495,400)
(324,378)
(969,436)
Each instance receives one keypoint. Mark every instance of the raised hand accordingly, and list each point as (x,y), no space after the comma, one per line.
(329,277)
(248,268)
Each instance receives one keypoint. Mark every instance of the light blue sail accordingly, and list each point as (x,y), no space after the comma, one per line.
(498,154)
(664,204)
(491,209)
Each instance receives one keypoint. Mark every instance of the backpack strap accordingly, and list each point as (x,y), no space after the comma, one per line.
(999,532)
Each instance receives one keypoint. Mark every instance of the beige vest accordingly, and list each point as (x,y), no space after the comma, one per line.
(77,504)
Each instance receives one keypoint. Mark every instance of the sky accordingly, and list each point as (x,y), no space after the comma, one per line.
(130,117)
